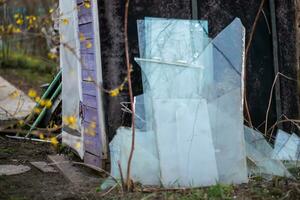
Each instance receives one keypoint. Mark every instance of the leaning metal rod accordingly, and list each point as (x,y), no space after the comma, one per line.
(26,138)
(47,92)
(42,114)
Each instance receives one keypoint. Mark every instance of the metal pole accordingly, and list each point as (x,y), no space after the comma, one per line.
(47,92)
(42,114)
(194,9)
(275,58)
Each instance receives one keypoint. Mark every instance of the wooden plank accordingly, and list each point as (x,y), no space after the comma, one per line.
(88,75)
(44,167)
(97,46)
(72,173)
(91,145)
(87,50)
(84,19)
(88,61)
(90,101)
(92,98)
(92,159)
(89,88)
(87,30)
(90,114)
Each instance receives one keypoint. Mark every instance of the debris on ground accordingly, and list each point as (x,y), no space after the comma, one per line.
(8,170)
(44,167)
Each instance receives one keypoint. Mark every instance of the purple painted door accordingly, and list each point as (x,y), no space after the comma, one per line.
(90,91)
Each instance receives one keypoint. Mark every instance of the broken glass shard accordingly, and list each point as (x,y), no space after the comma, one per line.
(260,153)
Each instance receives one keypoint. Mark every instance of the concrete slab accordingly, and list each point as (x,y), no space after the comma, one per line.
(13,169)
(14,104)
(44,167)
(74,174)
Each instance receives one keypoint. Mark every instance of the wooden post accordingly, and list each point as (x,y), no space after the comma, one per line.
(275,58)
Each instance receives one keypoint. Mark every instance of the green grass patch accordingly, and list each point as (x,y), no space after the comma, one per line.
(27,72)
(20,61)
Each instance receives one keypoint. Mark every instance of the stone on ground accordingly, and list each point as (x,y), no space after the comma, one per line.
(13,169)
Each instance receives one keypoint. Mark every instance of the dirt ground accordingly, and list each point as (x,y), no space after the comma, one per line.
(36,185)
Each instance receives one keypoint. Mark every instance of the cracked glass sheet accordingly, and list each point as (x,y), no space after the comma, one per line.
(145,164)
(190,39)
(140,120)
(259,153)
(286,146)
(184,141)
(70,74)
(215,75)
(173,42)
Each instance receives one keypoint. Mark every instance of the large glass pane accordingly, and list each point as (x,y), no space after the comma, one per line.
(183,69)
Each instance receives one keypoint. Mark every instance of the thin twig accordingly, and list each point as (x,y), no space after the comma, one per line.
(272,128)
(121,175)
(270,98)
(109,191)
(260,9)
(130,93)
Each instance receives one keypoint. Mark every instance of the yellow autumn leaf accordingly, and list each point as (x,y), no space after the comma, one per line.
(72,120)
(54,141)
(19,21)
(21,122)
(41,136)
(32,93)
(37,99)
(17,30)
(87,4)
(93,125)
(52,56)
(42,102)
(65,21)
(77,145)
(37,110)
(81,37)
(114,92)
(88,45)
(48,103)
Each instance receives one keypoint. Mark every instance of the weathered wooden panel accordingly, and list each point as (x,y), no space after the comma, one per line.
(90,101)
(85,19)
(88,62)
(92,159)
(85,49)
(89,88)
(88,75)
(90,114)
(86,30)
